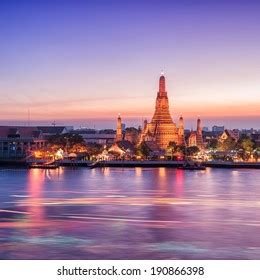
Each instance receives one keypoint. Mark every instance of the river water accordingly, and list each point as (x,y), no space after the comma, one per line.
(129,213)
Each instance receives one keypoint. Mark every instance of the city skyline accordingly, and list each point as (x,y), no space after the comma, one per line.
(84,62)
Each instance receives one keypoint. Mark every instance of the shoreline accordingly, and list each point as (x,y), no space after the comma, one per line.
(133,164)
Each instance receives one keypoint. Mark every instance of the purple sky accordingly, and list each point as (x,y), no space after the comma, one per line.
(77,61)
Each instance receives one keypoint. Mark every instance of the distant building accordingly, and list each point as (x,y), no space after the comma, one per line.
(256,138)
(236,132)
(103,137)
(248,132)
(208,136)
(216,128)
(20,141)
(54,130)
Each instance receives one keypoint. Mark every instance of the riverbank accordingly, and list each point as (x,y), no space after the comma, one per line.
(129,164)
(217,164)
(175,164)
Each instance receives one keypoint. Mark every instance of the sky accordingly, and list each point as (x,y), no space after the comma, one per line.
(82,62)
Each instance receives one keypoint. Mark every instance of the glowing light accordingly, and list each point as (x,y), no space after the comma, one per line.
(38,154)
(59,154)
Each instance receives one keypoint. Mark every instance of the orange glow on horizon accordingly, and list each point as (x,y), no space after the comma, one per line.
(206,111)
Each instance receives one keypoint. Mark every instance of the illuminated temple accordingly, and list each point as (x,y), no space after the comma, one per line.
(162,129)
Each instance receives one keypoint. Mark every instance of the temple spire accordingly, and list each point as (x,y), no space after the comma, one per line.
(162,84)
(199,129)
(119,132)
(181,137)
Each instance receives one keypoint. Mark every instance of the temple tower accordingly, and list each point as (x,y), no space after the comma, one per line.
(181,140)
(145,125)
(119,133)
(199,134)
(162,127)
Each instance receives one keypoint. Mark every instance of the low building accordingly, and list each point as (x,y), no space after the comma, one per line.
(54,130)
(233,134)
(20,141)
(103,137)
(123,148)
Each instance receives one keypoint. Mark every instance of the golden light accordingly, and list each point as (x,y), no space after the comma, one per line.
(38,154)
(59,154)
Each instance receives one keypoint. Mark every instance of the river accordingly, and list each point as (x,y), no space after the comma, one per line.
(129,213)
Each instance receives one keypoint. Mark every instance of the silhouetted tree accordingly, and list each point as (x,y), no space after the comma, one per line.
(212,144)
(191,151)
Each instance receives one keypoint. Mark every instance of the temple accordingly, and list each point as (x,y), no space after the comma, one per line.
(162,129)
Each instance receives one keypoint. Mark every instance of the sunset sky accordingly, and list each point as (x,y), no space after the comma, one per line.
(82,62)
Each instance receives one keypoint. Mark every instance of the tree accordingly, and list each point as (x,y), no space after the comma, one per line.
(94,148)
(246,144)
(256,155)
(245,147)
(172,145)
(181,149)
(212,144)
(79,148)
(143,150)
(66,142)
(171,149)
(191,151)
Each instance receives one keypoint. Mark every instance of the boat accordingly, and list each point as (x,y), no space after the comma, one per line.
(191,165)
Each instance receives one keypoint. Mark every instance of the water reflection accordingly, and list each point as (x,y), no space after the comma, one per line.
(138,171)
(179,182)
(130,213)
(34,203)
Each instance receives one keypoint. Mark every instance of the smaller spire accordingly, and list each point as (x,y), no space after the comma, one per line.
(199,129)
(119,133)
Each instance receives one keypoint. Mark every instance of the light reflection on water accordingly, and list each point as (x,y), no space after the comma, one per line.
(115,213)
